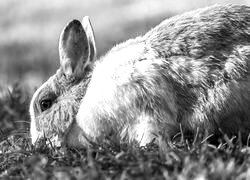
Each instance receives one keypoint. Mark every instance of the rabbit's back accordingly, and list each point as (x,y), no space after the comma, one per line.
(207,56)
(191,70)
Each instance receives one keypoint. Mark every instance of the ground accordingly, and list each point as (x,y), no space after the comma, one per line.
(29,55)
(180,158)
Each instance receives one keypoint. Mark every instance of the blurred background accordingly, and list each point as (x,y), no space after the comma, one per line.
(29,30)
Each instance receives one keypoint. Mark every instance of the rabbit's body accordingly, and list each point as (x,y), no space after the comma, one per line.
(190,71)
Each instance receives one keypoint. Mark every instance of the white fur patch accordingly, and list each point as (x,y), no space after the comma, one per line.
(143,132)
(115,70)
(33,132)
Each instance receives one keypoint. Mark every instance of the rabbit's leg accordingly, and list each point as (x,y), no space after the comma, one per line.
(94,127)
(143,131)
(75,137)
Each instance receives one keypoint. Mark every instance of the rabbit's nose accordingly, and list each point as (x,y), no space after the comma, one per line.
(34,139)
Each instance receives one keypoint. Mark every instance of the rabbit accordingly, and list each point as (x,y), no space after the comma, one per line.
(190,71)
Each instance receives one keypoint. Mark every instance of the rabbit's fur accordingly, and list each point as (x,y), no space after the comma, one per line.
(191,70)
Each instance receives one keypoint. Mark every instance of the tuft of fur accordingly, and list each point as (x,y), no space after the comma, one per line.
(191,70)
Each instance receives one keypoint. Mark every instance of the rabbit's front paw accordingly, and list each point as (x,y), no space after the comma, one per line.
(142,131)
(76,137)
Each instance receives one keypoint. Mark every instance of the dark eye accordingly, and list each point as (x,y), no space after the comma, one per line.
(45,104)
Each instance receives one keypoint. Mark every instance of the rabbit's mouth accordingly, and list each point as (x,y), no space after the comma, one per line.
(72,137)
(54,141)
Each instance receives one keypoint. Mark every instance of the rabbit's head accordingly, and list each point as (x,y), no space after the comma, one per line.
(55,104)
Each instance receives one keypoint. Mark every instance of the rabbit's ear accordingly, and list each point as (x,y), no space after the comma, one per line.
(74,49)
(90,35)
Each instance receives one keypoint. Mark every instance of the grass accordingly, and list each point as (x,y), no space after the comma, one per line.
(180,158)
(28,48)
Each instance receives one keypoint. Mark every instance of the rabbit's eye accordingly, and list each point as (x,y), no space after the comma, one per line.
(45,104)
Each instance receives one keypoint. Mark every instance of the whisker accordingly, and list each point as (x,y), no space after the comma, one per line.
(18,133)
(22,133)
(28,122)
(27,130)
